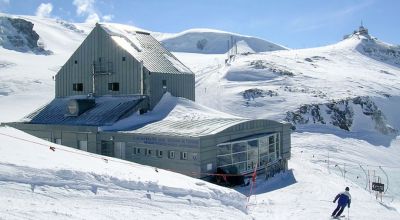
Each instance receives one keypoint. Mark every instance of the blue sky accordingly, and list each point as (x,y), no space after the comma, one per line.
(292,23)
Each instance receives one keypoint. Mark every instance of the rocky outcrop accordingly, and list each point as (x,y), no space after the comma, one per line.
(251,94)
(261,64)
(341,114)
(370,109)
(18,34)
(69,26)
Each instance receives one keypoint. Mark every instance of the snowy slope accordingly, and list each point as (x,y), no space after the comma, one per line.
(350,90)
(261,85)
(308,192)
(25,77)
(38,183)
(269,85)
(209,41)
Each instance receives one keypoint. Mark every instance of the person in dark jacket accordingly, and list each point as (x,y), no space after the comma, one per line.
(344,199)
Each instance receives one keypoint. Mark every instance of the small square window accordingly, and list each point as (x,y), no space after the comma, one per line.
(171,154)
(76,62)
(184,155)
(113,86)
(77,87)
(159,153)
(123,58)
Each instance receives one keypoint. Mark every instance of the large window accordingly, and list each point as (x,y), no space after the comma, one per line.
(245,155)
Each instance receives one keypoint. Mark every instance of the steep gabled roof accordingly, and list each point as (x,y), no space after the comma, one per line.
(146,48)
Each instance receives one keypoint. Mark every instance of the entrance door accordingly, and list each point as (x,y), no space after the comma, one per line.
(107,148)
(119,148)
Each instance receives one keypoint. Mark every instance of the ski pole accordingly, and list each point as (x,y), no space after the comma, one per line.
(348,213)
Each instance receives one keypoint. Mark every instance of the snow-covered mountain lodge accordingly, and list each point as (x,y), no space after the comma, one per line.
(122,94)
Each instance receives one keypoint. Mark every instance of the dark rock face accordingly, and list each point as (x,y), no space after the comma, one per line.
(18,34)
(24,28)
(384,53)
(340,114)
(342,118)
(299,116)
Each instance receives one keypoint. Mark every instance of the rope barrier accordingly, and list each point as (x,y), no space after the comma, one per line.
(354,164)
(107,160)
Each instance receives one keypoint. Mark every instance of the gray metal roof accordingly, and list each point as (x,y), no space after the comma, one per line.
(154,56)
(192,128)
(106,111)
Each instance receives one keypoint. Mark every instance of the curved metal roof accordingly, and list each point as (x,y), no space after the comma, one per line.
(192,128)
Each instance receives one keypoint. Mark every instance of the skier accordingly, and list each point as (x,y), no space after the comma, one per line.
(344,199)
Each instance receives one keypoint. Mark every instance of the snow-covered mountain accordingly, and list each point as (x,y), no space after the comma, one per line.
(342,99)
(209,41)
(342,85)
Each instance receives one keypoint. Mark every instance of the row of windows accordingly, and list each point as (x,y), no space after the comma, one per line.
(111,87)
(117,149)
(160,153)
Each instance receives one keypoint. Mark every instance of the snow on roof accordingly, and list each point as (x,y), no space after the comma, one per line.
(177,117)
(178,65)
(146,48)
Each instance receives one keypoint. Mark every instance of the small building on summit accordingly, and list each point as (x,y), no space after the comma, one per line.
(122,94)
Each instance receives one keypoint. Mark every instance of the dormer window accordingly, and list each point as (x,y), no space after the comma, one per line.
(113,86)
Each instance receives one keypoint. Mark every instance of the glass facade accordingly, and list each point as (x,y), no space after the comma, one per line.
(242,156)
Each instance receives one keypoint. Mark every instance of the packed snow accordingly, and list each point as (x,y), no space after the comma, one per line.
(38,183)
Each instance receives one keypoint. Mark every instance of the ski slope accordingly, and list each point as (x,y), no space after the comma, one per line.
(37,183)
